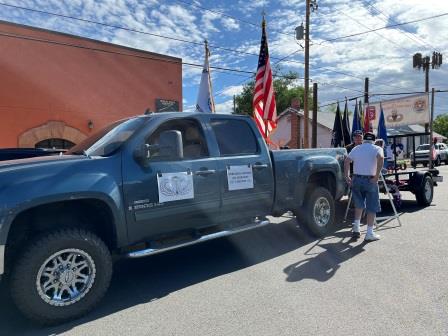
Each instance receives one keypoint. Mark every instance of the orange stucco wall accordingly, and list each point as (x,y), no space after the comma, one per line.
(44,84)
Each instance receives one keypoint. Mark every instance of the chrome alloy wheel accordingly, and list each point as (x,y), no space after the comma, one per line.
(322,211)
(428,190)
(65,277)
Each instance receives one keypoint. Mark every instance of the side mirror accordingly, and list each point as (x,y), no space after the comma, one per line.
(170,147)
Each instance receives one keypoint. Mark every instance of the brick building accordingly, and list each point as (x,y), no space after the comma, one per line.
(56,89)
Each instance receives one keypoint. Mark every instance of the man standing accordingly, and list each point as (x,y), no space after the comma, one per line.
(367,161)
(357,140)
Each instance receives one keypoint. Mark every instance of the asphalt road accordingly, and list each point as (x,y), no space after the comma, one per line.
(279,281)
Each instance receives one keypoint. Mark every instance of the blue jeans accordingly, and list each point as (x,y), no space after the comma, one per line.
(365,194)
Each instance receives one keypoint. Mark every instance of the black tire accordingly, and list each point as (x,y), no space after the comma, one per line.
(321,202)
(425,164)
(425,193)
(90,256)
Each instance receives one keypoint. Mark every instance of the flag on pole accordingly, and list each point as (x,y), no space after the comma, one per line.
(264,107)
(337,137)
(382,132)
(356,126)
(205,102)
(346,126)
(361,115)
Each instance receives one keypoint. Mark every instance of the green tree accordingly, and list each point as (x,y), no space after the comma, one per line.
(285,88)
(441,124)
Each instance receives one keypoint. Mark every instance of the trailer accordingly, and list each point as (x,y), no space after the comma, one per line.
(420,182)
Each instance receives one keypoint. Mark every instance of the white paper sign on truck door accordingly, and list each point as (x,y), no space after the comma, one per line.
(240,177)
(175,186)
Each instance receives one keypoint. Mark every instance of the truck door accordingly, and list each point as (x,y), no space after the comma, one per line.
(169,196)
(245,171)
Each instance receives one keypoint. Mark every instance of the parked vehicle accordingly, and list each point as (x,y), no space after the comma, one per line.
(422,155)
(143,186)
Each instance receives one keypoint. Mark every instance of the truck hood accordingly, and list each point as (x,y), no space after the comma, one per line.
(37,161)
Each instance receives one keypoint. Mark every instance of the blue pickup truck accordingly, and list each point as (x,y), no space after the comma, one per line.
(142,186)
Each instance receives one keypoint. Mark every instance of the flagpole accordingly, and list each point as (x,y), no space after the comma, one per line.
(342,129)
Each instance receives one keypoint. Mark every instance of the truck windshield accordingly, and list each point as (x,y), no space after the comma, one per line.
(423,147)
(108,140)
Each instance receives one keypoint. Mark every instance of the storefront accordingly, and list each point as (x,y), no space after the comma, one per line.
(57,89)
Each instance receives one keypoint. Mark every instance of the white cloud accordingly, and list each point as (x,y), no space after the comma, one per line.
(230,91)
(225,107)
(230,24)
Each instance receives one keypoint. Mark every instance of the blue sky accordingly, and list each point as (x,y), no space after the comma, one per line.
(339,67)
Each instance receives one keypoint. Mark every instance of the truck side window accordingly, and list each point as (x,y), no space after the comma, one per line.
(194,144)
(234,137)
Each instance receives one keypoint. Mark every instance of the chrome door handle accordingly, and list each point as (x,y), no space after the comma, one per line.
(259,166)
(205,172)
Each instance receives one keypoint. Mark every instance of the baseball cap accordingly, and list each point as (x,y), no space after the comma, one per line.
(357,132)
(369,136)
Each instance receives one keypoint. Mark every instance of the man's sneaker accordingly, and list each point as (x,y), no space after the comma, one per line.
(372,237)
(356,234)
(355,231)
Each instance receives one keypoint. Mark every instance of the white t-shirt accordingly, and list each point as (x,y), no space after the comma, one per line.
(364,158)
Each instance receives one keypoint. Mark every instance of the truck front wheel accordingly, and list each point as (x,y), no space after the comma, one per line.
(319,212)
(61,276)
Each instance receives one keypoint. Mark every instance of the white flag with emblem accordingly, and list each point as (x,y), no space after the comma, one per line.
(205,102)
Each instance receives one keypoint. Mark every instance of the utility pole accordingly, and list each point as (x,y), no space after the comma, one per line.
(307,73)
(314,121)
(310,5)
(431,135)
(366,90)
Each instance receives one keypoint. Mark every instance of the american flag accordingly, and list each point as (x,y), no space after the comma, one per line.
(265,111)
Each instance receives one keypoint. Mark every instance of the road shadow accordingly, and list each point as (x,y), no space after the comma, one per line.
(139,281)
(322,266)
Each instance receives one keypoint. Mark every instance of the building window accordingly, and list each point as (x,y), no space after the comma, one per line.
(55,144)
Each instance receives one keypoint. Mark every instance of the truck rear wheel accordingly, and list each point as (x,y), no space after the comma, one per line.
(319,212)
(61,276)
(425,193)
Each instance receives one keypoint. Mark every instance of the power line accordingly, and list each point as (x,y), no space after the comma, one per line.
(172,38)
(409,35)
(35,39)
(341,87)
(381,28)
(362,24)
(191,42)
(212,46)
(380,94)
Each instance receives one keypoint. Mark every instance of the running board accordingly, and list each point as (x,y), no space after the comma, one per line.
(150,251)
